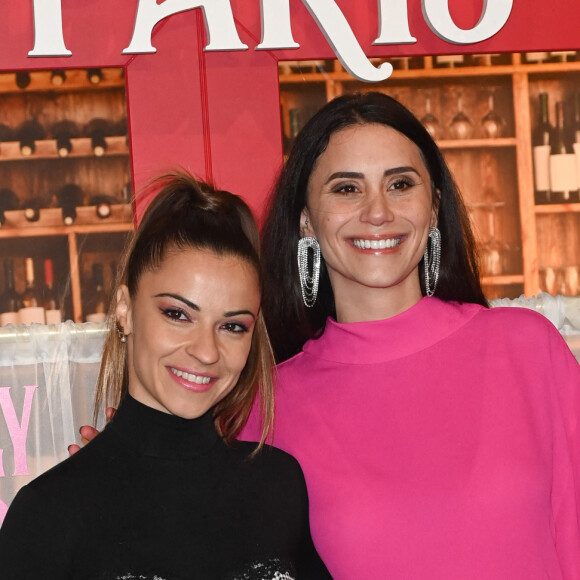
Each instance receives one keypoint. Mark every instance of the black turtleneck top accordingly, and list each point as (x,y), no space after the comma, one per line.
(157,497)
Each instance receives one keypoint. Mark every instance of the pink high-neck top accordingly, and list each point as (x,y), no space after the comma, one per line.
(442,443)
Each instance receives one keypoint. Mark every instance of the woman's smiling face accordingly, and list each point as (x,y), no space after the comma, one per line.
(370,205)
(189,329)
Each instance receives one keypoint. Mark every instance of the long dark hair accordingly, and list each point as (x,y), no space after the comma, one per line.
(289,322)
(187,213)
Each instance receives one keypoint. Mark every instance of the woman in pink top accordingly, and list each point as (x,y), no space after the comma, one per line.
(440,439)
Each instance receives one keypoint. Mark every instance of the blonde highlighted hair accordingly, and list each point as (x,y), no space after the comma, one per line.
(190,214)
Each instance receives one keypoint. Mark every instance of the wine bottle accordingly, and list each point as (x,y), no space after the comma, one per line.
(63,132)
(50,299)
(97,129)
(541,146)
(8,202)
(9,300)
(29,297)
(69,197)
(6,133)
(563,172)
(31,309)
(94,75)
(32,209)
(22,79)
(28,133)
(102,205)
(58,77)
(97,304)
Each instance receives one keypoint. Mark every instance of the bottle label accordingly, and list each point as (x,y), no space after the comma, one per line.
(563,173)
(542,167)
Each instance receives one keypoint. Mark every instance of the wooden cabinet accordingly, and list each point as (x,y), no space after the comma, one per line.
(81,96)
(524,247)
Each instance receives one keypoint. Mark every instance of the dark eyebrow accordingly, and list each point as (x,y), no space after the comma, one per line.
(357,175)
(238,312)
(191,305)
(194,306)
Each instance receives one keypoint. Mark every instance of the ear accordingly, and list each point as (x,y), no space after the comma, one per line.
(305,225)
(435,208)
(123,310)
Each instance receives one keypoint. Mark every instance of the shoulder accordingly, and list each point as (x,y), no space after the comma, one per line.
(267,457)
(80,469)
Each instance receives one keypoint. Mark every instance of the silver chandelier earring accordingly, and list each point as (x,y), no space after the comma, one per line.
(309,279)
(432,261)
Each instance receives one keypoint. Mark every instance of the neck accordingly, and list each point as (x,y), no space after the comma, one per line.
(357,303)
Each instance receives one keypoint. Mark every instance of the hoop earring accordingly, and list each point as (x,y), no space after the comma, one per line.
(432,261)
(121,333)
(309,280)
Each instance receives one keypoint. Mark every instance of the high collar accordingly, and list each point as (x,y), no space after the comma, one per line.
(415,329)
(156,434)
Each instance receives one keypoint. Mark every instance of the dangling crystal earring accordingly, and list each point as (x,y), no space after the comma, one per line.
(432,261)
(309,281)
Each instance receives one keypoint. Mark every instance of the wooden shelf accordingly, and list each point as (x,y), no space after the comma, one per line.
(50,222)
(46,149)
(76,80)
(476,143)
(558,208)
(502,280)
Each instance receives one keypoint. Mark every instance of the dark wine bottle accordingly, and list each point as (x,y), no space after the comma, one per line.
(8,201)
(50,298)
(28,133)
(94,75)
(63,132)
(58,77)
(22,79)
(563,171)
(29,297)
(97,129)
(69,197)
(32,209)
(97,303)
(7,133)
(102,205)
(541,145)
(9,301)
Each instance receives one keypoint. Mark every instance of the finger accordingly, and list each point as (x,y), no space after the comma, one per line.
(110,413)
(88,433)
(72,449)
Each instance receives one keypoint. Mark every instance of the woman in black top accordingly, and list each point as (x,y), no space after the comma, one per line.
(166,492)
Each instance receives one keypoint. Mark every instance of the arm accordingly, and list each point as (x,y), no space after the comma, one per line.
(566,479)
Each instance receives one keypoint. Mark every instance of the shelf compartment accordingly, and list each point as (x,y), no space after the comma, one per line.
(46,149)
(50,221)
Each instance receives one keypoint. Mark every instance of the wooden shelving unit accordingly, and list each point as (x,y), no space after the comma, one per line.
(533,237)
(36,178)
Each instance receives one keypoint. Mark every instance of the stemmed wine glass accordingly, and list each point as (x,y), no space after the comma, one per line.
(430,121)
(492,124)
(494,252)
(461,126)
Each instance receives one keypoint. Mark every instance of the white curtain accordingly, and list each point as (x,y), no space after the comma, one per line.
(48,376)
(47,382)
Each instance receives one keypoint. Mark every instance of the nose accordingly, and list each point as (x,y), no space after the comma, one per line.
(202,344)
(377,210)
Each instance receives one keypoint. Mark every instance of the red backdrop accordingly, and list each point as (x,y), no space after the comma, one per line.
(218,113)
